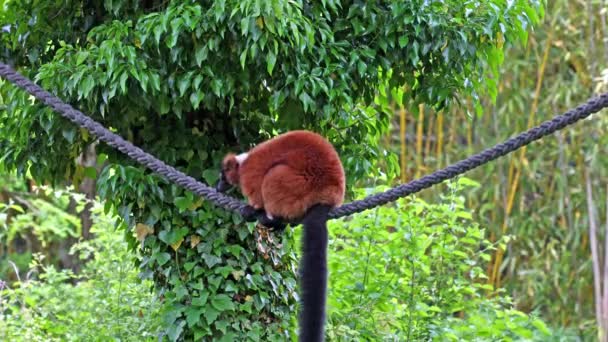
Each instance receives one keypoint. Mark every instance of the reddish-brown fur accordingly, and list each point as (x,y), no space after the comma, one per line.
(289,174)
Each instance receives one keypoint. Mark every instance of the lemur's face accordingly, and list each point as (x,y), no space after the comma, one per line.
(229,176)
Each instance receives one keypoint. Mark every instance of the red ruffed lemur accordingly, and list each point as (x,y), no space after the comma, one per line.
(294,177)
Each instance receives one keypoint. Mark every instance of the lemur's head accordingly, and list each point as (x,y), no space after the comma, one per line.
(229,175)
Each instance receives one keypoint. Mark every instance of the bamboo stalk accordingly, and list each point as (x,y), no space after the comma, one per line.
(469,128)
(452,135)
(419,137)
(604,32)
(605,275)
(402,130)
(495,276)
(562,167)
(439,146)
(429,134)
(595,258)
(590,20)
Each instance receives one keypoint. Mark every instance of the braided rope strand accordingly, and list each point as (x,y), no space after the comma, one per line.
(229,203)
(476,160)
(119,143)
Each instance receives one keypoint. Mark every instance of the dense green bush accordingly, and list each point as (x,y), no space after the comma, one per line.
(108,302)
(399,272)
(33,222)
(409,271)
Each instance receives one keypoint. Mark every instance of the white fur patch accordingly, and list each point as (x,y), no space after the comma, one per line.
(269,216)
(241,158)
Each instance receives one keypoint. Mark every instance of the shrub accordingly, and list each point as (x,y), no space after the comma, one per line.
(107,302)
(415,271)
(411,271)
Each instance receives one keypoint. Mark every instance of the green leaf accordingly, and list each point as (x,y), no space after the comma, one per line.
(172,236)
(69,134)
(165,106)
(197,82)
(172,40)
(189,266)
(211,315)
(86,86)
(158,30)
(221,326)
(81,57)
(162,258)
(15,208)
(245,26)
(183,203)
(155,81)
(271,59)
(464,214)
(183,85)
(180,292)
(101,158)
(222,302)
(176,330)
(540,325)
(211,176)
(211,260)
(216,87)
(193,316)
(523,332)
(195,99)
(243,58)
(201,54)
(235,250)
(224,270)
(307,101)
(201,300)
(123,82)
(361,67)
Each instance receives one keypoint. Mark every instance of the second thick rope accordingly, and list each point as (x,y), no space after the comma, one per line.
(548,127)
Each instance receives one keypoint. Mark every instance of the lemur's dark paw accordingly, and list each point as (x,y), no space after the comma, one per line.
(249,213)
(275,224)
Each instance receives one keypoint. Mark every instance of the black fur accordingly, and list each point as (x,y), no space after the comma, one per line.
(250,215)
(276,224)
(313,274)
(222,184)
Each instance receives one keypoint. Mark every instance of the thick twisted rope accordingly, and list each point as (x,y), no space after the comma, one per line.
(119,143)
(548,127)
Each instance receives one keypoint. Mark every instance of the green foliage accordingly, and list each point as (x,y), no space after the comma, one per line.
(548,268)
(406,279)
(408,271)
(45,219)
(241,294)
(193,72)
(33,222)
(107,303)
(187,81)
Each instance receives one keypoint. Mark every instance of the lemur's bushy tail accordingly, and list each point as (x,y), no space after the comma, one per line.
(313,274)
